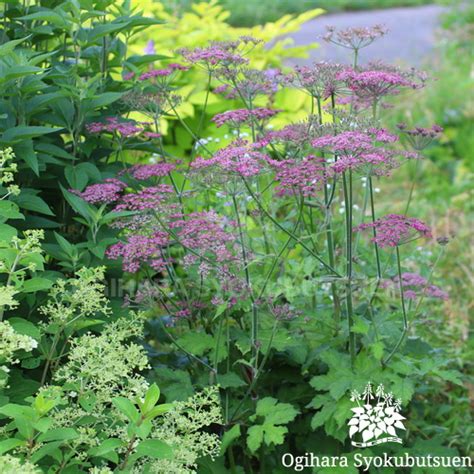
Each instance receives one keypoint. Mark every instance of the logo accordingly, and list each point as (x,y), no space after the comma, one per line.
(376,417)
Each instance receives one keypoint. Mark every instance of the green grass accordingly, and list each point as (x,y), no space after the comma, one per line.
(255,12)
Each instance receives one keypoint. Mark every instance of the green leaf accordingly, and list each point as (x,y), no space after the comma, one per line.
(323,415)
(100,30)
(30,202)
(9,210)
(229,437)
(159,410)
(274,434)
(25,132)
(155,449)
(26,327)
(104,99)
(106,447)
(46,450)
(36,284)
(9,444)
(47,15)
(230,380)
(126,407)
(26,152)
(196,343)
(78,204)
(274,412)
(151,398)
(255,437)
(7,232)
(59,434)
(8,47)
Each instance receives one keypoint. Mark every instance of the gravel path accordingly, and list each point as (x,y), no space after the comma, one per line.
(410,41)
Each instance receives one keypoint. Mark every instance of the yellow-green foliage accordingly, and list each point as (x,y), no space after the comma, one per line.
(207,22)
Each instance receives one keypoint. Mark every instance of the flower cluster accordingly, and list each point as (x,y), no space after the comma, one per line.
(248,83)
(354,38)
(415,285)
(155,170)
(237,117)
(125,128)
(11,342)
(151,197)
(7,170)
(218,54)
(419,137)
(102,193)
(320,80)
(393,230)
(205,234)
(376,82)
(356,150)
(139,250)
(239,157)
(165,72)
(79,297)
(305,177)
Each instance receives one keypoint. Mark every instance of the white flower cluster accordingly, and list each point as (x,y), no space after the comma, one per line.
(12,465)
(7,170)
(12,341)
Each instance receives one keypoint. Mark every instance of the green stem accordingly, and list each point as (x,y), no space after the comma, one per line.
(349,305)
(254,329)
(286,231)
(372,210)
(402,301)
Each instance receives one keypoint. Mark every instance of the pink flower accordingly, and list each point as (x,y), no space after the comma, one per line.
(415,285)
(219,53)
(205,233)
(155,73)
(148,198)
(239,157)
(126,128)
(306,176)
(358,151)
(393,230)
(419,137)
(320,80)
(152,135)
(239,116)
(139,250)
(104,193)
(354,38)
(142,172)
(379,80)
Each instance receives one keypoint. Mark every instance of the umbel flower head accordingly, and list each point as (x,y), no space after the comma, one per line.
(378,80)
(414,286)
(102,193)
(238,158)
(319,80)
(235,118)
(419,137)
(393,230)
(354,38)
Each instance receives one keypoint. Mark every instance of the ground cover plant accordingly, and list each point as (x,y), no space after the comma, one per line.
(205,291)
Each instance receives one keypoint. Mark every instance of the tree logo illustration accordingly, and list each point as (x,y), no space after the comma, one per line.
(376,417)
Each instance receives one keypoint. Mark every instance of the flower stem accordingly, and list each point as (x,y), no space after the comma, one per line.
(372,211)
(288,232)
(402,301)
(350,314)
